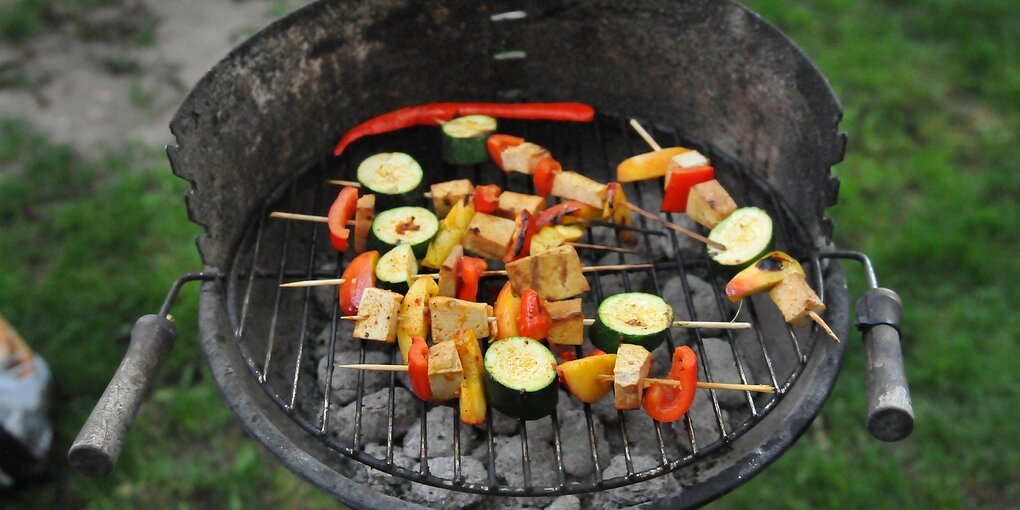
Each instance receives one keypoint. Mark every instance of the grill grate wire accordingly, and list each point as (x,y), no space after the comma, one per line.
(254,256)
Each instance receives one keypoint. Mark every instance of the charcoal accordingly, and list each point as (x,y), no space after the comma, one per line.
(440,422)
(654,489)
(325,296)
(541,430)
(706,428)
(689,249)
(374,416)
(434,497)
(503,425)
(576,445)
(724,369)
(509,464)
(344,341)
(378,480)
(565,503)
(345,381)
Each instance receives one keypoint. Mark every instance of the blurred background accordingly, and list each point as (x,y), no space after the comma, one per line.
(93,230)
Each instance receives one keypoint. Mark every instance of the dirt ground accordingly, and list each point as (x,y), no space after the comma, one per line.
(116,74)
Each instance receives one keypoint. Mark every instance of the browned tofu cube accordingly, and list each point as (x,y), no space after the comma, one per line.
(488,235)
(379,309)
(522,158)
(445,371)
(574,186)
(633,363)
(794,298)
(450,315)
(555,274)
(511,203)
(445,194)
(708,203)
(448,272)
(567,322)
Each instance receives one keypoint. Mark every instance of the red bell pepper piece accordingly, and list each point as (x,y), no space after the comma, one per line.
(667,403)
(678,186)
(340,213)
(497,143)
(432,114)
(418,368)
(487,198)
(533,320)
(559,213)
(544,174)
(469,271)
(358,276)
(520,240)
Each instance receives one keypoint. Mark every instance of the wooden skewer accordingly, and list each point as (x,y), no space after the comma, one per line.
(374,367)
(339,182)
(821,322)
(604,248)
(698,324)
(644,135)
(362,317)
(648,381)
(677,228)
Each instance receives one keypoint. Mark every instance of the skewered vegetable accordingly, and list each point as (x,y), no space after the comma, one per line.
(522,157)
(533,320)
(708,203)
(343,208)
(552,236)
(617,210)
(472,387)
(363,216)
(649,165)
(404,225)
(574,186)
(520,378)
(487,198)
(581,376)
(568,213)
(497,143)
(567,326)
(631,318)
(358,276)
(448,272)
(469,271)
(633,362)
(464,139)
(451,233)
(668,403)
(688,159)
(394,178)
(765,273)
(520,240)
(395,268)
(555,274)
(445,371)
(795,299)
(446,194)
(678,186)
(506,310)
(488,235)
(747,235)
(545,173)
(414,315)
(451,315)
(511,204)
(418,368)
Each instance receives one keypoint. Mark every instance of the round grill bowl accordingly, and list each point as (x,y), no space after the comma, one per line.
(711,71)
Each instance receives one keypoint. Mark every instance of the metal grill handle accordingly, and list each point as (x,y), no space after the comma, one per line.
(101,439)
(890,411)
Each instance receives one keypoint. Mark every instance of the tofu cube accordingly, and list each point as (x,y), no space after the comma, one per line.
(488,235)
(574,186)
(379,309)
(633,363)
(445,371)
(448,272)
(450,315)
(445,194)
(522,158)
(511,203)
(689,159)
(567,322)
(794,298)
(708,203)
(555,274)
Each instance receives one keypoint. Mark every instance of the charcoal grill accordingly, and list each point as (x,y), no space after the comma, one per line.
(253,137)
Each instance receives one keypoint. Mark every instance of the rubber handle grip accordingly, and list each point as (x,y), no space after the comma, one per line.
(99,444)
(890,410)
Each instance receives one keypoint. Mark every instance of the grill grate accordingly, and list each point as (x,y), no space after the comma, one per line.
(274,327)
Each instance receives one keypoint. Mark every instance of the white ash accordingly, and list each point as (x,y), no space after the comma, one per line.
(664,247)
(703,419)
(706,308)
(565,503)
(576,445)
(374,416)
(345,381)
(442,467)
(509,461)
(723,365)
(654,489)
(378,480)
(344,339)
(440,423)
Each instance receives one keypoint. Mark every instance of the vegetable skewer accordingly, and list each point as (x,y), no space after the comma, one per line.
(647,381)
(491,272)
(589,322)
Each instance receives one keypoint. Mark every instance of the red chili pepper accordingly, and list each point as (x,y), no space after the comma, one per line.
(533,320)
(557,214)
(358,276)
(544,174)
(431,114)
(520,240)
(667,403)
(418,368)
(487,198)
(469,271)
(339,213)
(679,184)
(497,143)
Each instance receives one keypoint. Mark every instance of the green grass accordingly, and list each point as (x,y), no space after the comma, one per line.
(929,189)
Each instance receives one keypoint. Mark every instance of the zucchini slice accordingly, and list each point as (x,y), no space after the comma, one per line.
(464,139)
(395,268)
(520,378)
(631,318)
(404,225)
(394,177)
(747,235)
